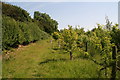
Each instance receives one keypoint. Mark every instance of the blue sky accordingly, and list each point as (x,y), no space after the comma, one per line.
(85,14)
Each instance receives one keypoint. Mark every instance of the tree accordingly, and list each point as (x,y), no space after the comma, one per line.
(68,40)
(16,32)
(108,50)
(15,12)
(45,22)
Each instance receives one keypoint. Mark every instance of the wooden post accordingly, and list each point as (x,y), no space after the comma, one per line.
(86,47)
(70,55)
(114,65)
(51,41)
(59,44)
(118,62)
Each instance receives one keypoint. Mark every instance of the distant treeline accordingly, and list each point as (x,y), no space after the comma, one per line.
(19,28)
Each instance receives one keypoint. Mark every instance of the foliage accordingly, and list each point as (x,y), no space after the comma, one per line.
(115,33)
(56,35)
(67,40)
(99,41)
(15,33)
(15,12)
(45,22)
(69,37)
(102,41)
(19,28)
(10,32)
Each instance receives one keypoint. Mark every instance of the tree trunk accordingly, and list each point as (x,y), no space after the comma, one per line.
(86,47)
(105,68)
(58,44)
(118,62)
(70,55)
(114,65)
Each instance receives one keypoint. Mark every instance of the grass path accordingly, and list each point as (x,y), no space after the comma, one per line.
(37,60)
(24,60)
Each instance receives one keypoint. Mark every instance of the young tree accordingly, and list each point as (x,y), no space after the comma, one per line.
(67,40)
(69,36)
(108,50)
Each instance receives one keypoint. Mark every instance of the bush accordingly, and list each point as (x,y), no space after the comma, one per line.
(10,31)
(15,33)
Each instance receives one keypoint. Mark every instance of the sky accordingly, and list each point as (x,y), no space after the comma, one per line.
(84,14)
(60,0)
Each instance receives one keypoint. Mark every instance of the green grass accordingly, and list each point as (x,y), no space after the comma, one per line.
(38,60)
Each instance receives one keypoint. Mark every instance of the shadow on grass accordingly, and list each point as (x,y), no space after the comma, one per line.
(37,75)
(52,60)
(81,57)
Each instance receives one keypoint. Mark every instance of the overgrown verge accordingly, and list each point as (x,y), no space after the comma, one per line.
(20,33)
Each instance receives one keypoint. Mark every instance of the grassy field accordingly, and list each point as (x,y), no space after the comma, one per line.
(37,60)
